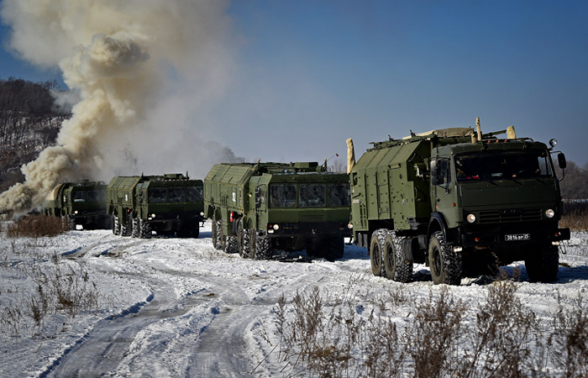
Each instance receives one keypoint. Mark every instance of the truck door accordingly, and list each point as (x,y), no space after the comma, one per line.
(443,190)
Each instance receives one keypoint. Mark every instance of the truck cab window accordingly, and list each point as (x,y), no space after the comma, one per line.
(282,195)
(444,172)
(79,196)
(339,195)
(194,194)
(157,195)
(312,195)
(177,194)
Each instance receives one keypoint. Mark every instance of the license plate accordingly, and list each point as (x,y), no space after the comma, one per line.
(517,237)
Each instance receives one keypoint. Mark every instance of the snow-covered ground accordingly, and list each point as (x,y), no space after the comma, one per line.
(168,307)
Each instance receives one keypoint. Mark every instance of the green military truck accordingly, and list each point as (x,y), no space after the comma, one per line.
(79,203)
(257,208)
(167,204)
(462,202)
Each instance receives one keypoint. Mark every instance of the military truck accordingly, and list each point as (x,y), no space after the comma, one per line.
(461,202)
(79,203)
(257,208)
(167,204)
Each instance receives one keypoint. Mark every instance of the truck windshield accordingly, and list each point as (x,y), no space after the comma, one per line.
(157,195)
(282,195)
(177,194)
(339,195)
(79,196)
(312,195)
(194,194)
(502,166)
(96,196)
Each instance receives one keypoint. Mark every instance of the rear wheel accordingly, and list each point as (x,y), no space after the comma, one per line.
(243,240)
(125,228)
(217,235)
(395,267)
(136,232)
(115,225)
(445,265)
(543,264)
(376,248)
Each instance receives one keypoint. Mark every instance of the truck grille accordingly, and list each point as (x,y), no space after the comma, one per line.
(510,215)
(312,218)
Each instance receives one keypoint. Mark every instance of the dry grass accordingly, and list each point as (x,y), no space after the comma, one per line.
(36,226)
(436,336)
(575,216)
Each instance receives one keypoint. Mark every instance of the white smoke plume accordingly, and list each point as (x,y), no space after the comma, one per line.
(143,69)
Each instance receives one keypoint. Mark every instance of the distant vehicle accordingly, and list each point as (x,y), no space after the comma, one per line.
(168,204)
(257,208)
(461,202)
(79,203)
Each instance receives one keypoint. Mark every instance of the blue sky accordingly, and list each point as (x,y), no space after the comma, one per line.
(309,74)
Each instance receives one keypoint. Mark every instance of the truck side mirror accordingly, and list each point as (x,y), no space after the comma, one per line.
(561,160)
(434,172)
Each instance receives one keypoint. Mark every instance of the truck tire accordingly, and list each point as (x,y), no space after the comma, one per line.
(263,250)
(115,225)
(376,248)
(335,248)
(395,267)
(125,229)
(543,264)
(136,232)
(445,265)
(216,235)
(243,240)
(144,229)
(231,244)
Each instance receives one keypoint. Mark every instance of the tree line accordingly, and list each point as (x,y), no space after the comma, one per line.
(29,122)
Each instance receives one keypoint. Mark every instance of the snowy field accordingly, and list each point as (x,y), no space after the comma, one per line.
(168,307)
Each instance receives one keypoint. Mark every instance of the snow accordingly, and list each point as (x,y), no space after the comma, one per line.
(169,307)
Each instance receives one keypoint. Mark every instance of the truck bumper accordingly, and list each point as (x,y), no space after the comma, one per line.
(307,229)
(482,239)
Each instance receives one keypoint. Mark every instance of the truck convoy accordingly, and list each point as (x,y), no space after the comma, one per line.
(166,204)
(461,202)
(257,208)
(79,203)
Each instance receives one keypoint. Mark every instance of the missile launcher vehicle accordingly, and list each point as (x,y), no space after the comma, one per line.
(257,208)
(460,201)
(79,203)
(167,204)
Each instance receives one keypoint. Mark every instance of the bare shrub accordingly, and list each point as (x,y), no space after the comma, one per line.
(568,342)
(36,226)
(433,337)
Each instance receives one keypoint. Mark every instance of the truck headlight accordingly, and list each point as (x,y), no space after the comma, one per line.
(276,227)
(549,213)
(202,213)
(350,225)
(471,218)
(76,212)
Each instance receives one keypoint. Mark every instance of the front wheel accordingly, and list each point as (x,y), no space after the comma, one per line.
(543,265)
(243,240)
(445,264)
(263,250)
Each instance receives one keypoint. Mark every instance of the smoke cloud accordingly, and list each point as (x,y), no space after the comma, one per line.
(144,71)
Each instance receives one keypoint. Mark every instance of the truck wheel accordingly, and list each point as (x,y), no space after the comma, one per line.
(543,265)
(335,248)
(252,242)
(71,222)
(243,240)
(136,232)
(445,265)
(231,244)
(216,235)
(263,250)
(376,248)
(144,229)
(395,267)
(115,225)
(125,229)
